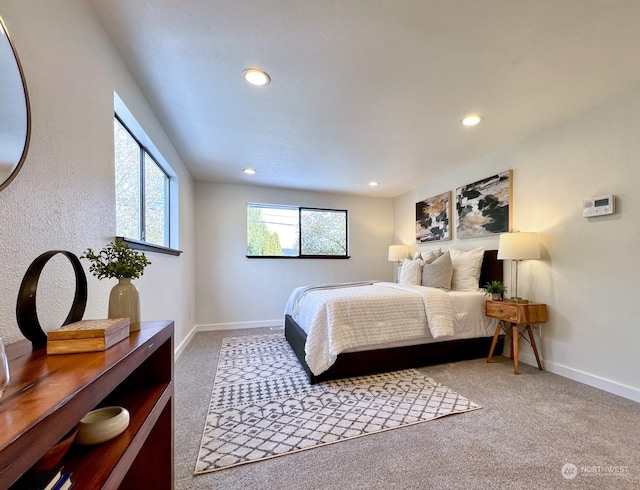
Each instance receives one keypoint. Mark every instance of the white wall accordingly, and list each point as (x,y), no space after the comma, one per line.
(63,198)
(233,291)
(589,275)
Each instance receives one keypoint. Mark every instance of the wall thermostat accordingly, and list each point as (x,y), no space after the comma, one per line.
(598,206)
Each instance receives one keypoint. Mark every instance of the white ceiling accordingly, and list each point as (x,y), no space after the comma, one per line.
(367,89)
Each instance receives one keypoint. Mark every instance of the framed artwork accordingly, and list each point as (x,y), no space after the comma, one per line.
(484,207)
(432,218)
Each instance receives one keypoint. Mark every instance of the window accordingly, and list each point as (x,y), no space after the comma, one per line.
(146,188)
(294,232)
(142,191)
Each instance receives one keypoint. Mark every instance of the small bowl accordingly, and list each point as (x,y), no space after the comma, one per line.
(54,455)
(102,425)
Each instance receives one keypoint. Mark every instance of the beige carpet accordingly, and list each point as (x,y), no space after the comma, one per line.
(529,428)
(263,406)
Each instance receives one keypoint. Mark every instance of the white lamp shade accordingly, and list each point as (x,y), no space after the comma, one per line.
(398,252)
(519,246)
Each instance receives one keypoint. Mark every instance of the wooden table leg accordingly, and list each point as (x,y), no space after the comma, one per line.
(495,340)
(514,340)
(510,333)
(533,344)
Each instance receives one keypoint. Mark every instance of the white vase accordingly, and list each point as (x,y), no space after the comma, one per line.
(124,302)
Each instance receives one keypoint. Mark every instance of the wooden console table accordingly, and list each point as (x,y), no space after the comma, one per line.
(48,395)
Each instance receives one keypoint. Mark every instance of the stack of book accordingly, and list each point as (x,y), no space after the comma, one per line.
(44,480)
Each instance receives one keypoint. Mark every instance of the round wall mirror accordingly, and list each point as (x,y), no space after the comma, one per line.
(15,114)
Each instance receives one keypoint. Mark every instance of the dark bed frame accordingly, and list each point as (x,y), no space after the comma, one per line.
(383,360)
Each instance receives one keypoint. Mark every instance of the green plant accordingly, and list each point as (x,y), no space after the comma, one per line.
(116,260)
(495,287)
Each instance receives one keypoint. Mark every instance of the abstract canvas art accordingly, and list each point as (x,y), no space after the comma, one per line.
(484,207)
(432,218)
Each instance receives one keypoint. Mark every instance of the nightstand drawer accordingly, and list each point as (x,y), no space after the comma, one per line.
(504,311)
(517,312)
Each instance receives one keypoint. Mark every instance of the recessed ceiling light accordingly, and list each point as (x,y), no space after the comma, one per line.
(256,77)
(471,120)
(249,171)
(373,183)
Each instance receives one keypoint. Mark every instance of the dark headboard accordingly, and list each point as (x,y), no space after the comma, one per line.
(492,268)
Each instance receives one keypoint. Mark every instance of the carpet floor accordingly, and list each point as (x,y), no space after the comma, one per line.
(530,426)
(263,406)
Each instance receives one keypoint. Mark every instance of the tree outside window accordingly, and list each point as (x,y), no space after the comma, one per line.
(289,231)
(142,191)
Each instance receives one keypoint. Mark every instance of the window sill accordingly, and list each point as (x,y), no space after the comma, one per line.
(149,247)
(303,257)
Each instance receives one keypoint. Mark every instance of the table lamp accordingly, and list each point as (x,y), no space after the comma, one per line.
(397,253)
(518,246)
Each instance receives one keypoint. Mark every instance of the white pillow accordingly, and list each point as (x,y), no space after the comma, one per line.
(417,255)
(430,255)
(466,269)
(410,272)
(438,273)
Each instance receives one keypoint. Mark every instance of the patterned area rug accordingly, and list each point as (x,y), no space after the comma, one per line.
(263,406)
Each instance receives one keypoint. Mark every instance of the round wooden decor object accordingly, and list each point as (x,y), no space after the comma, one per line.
(26,313)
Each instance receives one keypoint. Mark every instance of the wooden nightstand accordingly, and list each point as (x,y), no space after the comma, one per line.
(515,314)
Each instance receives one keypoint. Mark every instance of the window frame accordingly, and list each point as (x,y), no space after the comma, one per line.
(300,255)
(124,117)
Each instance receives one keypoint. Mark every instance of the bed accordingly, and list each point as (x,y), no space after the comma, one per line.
(415,351)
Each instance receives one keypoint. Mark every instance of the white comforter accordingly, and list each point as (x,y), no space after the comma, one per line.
(338,318)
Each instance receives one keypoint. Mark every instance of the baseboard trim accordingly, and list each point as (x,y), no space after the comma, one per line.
(223,326)
(238,325)
(607,385)
(177,352)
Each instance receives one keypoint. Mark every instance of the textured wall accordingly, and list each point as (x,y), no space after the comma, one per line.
(64,196)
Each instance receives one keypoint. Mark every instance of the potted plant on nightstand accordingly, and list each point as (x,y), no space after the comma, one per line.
(118,260)
(495,289)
